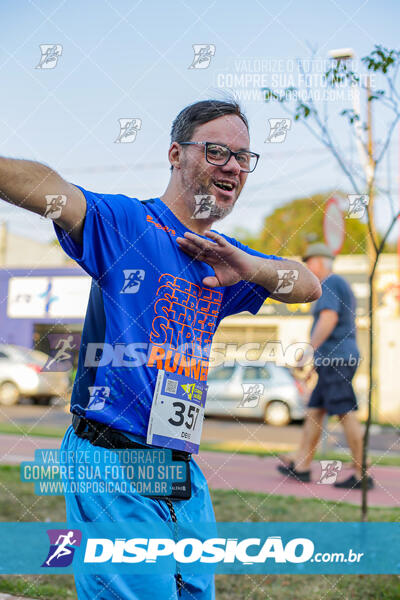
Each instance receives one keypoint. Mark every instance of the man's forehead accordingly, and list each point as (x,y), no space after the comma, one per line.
(229,130)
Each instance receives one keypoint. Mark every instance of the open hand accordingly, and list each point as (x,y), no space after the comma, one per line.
(230,264)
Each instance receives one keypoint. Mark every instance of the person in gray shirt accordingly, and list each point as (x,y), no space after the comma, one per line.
(336,358)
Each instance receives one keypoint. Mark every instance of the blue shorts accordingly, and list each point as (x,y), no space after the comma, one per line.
(334,391)
(110,507)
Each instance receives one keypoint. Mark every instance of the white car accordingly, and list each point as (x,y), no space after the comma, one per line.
(21,375)
(263,391)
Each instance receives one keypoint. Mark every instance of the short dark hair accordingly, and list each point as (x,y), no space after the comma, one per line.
(202,112)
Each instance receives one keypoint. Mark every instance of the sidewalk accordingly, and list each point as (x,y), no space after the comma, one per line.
(231,471)
(259,474)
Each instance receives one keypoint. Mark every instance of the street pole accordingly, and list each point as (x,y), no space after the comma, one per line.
(371,252)
(365,153)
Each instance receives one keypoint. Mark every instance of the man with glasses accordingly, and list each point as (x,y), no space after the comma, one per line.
(218,154)
(162,282)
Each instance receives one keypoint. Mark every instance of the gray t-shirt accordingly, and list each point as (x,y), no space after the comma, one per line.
(337,295)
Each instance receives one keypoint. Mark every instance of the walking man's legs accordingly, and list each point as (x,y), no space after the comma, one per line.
(311,434)
(298,465)
(333,395)
(354,436)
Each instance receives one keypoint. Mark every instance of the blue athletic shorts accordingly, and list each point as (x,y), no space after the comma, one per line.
(334,391)
(110,507)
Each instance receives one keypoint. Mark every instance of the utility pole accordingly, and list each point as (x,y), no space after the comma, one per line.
(371,251)
(368,164)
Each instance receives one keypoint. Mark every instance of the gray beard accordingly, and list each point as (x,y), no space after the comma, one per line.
(216,212)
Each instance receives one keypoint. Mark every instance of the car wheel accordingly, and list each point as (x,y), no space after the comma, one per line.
(277,413)
(9,394)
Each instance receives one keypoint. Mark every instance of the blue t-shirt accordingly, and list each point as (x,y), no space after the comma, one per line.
(147,310)
(337,295)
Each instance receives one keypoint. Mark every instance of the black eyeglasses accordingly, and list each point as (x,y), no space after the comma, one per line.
(217,154)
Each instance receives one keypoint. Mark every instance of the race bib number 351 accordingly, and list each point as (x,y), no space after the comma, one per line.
(177,412)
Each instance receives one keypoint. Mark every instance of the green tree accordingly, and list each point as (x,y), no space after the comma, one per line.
(287,230)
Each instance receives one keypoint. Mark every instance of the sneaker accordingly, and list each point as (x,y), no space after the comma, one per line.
(353,483)
(290,471)
(287,462)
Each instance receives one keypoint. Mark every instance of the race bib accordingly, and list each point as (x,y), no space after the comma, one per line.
(177,412)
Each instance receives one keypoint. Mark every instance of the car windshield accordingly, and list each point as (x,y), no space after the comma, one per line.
(281,373)
(267,371)
(220,373)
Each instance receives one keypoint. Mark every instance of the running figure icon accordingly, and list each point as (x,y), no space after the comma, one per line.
(62,549)
(62,347)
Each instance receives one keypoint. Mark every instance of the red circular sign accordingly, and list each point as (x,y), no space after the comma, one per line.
(334,225)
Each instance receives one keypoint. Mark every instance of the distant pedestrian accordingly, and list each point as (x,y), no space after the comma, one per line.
(336,358)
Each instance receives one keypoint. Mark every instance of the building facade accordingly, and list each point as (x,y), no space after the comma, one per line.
(36,302)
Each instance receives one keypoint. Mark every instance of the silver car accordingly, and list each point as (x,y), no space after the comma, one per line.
(21,375)
(263,391)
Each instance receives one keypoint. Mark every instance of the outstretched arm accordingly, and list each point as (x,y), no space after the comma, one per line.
(41,190)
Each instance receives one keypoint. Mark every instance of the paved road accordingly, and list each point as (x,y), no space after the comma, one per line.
(383,440)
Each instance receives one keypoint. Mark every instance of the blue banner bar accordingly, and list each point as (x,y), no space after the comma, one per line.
(341,548)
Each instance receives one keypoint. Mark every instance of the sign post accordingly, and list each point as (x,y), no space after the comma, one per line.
(334,225)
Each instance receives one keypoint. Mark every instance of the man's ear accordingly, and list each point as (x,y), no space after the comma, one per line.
(174,155)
